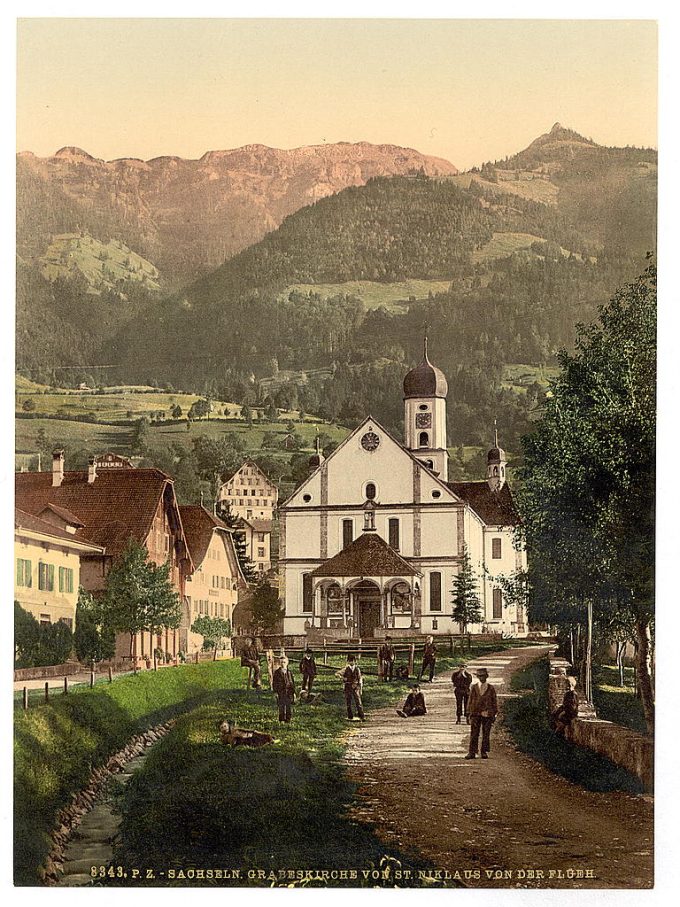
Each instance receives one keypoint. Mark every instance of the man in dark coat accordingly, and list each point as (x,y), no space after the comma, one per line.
(461,680)
(482,709)
(351,678)
(429,659)
(283,686)
(414,705)
(250,658)
(565,714)
(387,656)
(308,671)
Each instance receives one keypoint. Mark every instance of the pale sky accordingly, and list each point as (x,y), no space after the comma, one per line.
(465,90)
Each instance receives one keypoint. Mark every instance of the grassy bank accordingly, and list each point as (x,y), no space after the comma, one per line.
(283,806)
(56,745)
(527,720)
(616,703)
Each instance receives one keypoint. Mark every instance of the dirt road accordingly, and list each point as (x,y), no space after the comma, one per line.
(493,822)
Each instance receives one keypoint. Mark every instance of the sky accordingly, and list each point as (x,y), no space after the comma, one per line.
(465,90)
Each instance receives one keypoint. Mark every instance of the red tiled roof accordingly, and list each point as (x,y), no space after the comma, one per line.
(258,525)
(367,555)
(495,508)
(65,514)
(199,526)
(119,504)
(31,523)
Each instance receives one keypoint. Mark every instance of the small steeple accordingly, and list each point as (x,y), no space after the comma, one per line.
(317,458)
(425,347)
(496,463)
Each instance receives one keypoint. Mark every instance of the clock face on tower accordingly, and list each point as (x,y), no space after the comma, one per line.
(423,420)
(370,441)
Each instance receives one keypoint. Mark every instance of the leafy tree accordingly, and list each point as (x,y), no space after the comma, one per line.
(212,629)
(176,411)
(266,606)
(467,608)
(26,637)
(139,595)
(247,414)
(92,638)
(587,496)
(199,409)
(28,405)
(55,644)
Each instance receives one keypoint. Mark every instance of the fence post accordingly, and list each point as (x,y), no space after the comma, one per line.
(91,679)
(411,657)
(270,665)
(451,648)
(47,691)
(110,674)
(196,659)
(65,684)
(25,699)
(325,652)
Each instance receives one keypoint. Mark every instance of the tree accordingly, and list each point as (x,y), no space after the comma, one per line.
(239,538)
(266,606)
(176,411)
(93,639)
(26,637)
(587,496)
(139,595)
(28,405)
(212,629)
(199,409)
(247,414)
(467,608)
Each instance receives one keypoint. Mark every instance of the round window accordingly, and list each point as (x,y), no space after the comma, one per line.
(423,406)
(436,494)
(306,498)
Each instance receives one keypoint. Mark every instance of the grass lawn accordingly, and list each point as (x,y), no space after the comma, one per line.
(55,745)
(373,294)
(615,703)
(527,720)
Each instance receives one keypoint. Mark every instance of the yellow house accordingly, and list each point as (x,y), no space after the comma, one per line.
(47,568)
(212,590)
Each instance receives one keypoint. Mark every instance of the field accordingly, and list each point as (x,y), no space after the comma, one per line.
(105,266)
(534,189)
(519,377)
(372,294)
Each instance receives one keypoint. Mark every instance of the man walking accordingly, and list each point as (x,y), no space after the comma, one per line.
(414,705)
(387,656)
(351,678)
(308,671)
(482,709)
(283,686)
(429,659)
(462,681)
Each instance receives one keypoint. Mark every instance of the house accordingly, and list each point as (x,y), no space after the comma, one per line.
(258,536)
(374,538)
(47,567)
(249,493)
(213,589)
(106,508)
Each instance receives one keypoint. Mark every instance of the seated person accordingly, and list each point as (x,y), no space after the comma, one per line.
(565,714)
(414,705)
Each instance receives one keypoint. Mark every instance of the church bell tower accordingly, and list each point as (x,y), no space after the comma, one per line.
(496,462)
(425,391)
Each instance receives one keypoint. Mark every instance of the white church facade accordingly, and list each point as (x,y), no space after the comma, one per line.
(372,540)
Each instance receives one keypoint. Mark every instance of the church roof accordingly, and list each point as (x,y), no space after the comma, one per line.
(495,508)
(425,380)
(367,555)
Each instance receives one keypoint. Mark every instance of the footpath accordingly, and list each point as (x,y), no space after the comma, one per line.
(506,822)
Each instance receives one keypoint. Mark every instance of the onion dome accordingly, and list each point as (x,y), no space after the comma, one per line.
(496,454)
(425,380)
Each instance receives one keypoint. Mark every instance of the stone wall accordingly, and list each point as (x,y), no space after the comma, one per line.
(626,748)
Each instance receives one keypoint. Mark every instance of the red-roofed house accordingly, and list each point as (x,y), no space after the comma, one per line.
(105,509)
(213,589)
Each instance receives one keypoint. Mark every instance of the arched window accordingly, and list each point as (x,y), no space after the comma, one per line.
(429,464)
(370,491)
(424,439)
(495,470)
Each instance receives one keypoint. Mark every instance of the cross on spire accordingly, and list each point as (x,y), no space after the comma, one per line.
(495,434)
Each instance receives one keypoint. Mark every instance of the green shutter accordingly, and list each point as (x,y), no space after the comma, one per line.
(50,577)
(20,572)
(28,574)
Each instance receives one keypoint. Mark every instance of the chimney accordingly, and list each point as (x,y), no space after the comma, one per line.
(91,470)
(57,468)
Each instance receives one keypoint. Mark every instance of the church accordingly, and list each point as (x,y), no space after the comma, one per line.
(372,540)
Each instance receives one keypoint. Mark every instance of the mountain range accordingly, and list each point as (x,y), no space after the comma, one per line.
(499,263)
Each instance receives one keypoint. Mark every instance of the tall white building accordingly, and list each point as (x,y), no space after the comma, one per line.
(372,540)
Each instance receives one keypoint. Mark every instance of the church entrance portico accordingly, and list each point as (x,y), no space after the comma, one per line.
(366,607)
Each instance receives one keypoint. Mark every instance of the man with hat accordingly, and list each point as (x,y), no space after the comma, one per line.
(462,681)
(482,709)
(387,656)
(352,681)
(283,686)
(308,670)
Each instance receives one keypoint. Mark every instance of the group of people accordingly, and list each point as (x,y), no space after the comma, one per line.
(476,702)
(387,658)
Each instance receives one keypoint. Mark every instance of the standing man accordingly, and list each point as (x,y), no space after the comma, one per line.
(308,671)
(351,678)
(461,680)
(482,709)
(387,656)
(429,658)
(414,705)
(250,658)
(283,686)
